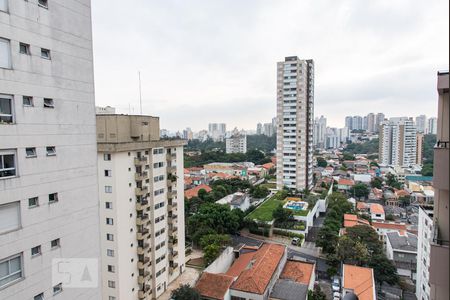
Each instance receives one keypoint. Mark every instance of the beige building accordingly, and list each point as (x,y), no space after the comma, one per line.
(48,157)
(295,110)
(141,207)
(439,256)
(398,142)
(419,148)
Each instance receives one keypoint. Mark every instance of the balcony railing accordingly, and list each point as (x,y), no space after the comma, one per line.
(140,176)
(437,239)
(141,191)
(441,165)
(140,161)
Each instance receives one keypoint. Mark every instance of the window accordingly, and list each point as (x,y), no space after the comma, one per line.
(108,205)
(158,165)
(108,173)
(108,189)
(6,110)
(24,48)
(56,243)
(57,289)
(49,103)
(9,218)
(31,152)
(4,5)
(110,252)
(158,151)
(43,3)
(51,151)
(10,270)
(36,251)
(39,297)
(45,53)
(33,202)
(111,284)
(27,101)
(112,298)
(109,221)
(107,156)
(110,237)
(111,269)
(5,54)
(52,198)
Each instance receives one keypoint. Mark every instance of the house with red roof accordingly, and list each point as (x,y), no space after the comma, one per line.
(376,212)
(345,184)
(194,191)
(359,281)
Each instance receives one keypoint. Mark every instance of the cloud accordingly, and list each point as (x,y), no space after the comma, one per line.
(215,61)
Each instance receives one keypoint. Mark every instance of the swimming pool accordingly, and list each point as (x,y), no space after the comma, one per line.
(296,205)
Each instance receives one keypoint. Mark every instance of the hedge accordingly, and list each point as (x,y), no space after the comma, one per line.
(259,231)
(288,233)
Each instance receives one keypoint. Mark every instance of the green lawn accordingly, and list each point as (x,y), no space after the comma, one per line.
(264,211)
(302,213)
(270,185)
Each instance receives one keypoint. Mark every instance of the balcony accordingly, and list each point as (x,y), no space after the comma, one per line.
(141,205)
(141,191)
(173,241)
(172,229)
(144,277)
(141,234)
(173,254)
(141,249)
(172,194)
(170,156)
(172,204)
(441,165)
(143,262)
(140,161)
(140,176)
(171,169)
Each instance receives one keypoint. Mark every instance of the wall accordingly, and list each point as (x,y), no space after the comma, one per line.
(222,263)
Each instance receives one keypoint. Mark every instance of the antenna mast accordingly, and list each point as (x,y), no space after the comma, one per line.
(140,92)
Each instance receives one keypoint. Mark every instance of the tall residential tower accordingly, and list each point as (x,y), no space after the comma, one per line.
(295,110)
(141,207)
(48,155)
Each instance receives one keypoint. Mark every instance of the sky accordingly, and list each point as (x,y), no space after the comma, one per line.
(206,61)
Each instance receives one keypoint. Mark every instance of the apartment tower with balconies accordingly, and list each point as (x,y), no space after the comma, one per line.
(48,155)
(439,253)
(295,112)
(141,207)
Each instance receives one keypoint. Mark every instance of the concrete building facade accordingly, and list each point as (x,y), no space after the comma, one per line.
(398,143)
(141,207)
(48,155)
(424,238)
(236,144)
(295,110)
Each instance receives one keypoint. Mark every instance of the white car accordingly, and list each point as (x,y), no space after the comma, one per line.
(295,241)
(336,285)
(336,296)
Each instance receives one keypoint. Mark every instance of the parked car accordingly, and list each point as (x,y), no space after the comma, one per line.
(336,285)
(336,296)
(295,241)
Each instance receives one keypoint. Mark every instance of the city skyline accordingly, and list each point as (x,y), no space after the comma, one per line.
(194,74)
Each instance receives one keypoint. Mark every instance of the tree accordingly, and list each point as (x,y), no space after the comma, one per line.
(351,251)
(404,201)
(281,215)
(348,156)
(255,156)
(316,294)
(377,183)
(218,239)
(392,181)
(260,192)
(321,162)
(360,190)
(202,193)
(210,253)
(185,292)
(383,269)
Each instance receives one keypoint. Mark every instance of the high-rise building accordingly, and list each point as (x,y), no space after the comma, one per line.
(188,134)
(48,161)
(217,131)
(371,122)
(419,148)
(424,239)
(141,207)
(236,143)
(357,123)
(259,129)
(378,120)
(349,122)
(432,126)
(268,129)
(439,256)
(295,110)
(397,142)
(365,123)
(421,123)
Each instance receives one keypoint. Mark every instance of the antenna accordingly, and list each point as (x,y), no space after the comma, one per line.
(140,91)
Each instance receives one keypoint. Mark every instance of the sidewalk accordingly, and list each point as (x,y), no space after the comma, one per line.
(189,276)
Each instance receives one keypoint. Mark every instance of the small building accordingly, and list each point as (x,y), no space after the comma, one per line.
(382,228)
(237,200)
(214,286)
(359,281)
(345,184)
(194,191)
(377,212)
(401,248)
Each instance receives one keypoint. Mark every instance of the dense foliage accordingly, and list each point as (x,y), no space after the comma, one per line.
(185,292)
(428,154)
(212,245)
(321,162)
(359,190)
(368,147)
(262,142)
(207,157)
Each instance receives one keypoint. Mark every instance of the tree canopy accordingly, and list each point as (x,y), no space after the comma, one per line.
(185,292)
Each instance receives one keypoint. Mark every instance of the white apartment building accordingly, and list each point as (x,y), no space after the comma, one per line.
(319,132)
(141,207)
(432,126)
(48,155)
(295,109)
(217,131)
(237,143)
(424,238)
(421,123)
(398,142)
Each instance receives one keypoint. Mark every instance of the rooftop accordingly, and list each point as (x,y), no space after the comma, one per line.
(214,286)
(257,268)
(289,290)
(402,241)
(389,225)
(194,191)
(360,280)
(351,220)
(345,181)
(376,208)
(298,271)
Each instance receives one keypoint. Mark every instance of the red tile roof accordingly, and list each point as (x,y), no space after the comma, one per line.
(360,280)
(389,225)
(376,208)
(298,271)
(345,181)
(194,191)
(268,166)
(256,275)
(214,286)
(352,220)
(240,264)
(361,205)
(187,181)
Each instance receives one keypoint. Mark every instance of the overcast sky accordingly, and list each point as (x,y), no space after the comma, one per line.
(205,61)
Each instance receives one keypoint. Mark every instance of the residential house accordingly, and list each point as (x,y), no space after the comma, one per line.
(193,192)
(382,228)
(214,286)
(345,184)
(237,200)
(359,281)
(401,248)
(377,212)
